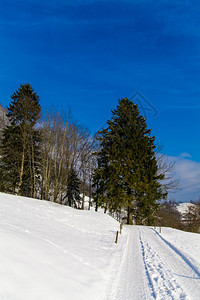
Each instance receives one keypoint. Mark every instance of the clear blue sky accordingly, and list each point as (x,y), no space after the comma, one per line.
(87,54)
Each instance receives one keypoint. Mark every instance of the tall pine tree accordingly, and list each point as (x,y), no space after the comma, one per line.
(20,143)
(127,173)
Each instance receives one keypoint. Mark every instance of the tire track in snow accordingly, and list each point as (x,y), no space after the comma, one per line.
(181,269)
(152,268)
(186,260)
(130,281)
(161,279)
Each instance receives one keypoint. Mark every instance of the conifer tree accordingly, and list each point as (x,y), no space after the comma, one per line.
(73,191)
(20,143)
(127,174)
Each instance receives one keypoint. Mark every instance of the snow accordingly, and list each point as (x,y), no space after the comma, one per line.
(49,251)
(158,266)
(187,243)
(183,207)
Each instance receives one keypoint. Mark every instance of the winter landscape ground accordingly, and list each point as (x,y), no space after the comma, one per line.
(49,251)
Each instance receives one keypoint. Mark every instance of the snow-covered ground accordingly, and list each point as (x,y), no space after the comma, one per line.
(158,266)
(48,251)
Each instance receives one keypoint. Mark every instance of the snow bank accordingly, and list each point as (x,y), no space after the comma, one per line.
(186,243)
(49,251)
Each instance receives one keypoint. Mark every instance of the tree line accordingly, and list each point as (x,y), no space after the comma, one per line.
(42,153)
(47,155)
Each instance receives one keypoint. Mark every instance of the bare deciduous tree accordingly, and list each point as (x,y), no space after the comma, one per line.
(65,146)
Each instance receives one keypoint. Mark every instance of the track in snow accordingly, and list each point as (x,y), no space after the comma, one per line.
(152,268)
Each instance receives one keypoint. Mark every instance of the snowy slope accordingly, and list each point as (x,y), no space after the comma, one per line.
(183,207)
(48,251)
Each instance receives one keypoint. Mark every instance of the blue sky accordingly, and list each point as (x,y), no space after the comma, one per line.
(85,55)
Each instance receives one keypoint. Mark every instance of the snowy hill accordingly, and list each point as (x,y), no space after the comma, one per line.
(48,251)
(53,252)
(183,207)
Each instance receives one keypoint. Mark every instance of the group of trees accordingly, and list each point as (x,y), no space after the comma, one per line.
(169,216)
(42,153)
(48,156)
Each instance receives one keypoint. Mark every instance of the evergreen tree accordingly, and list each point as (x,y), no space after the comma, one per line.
(20,143)
(127,174)
(73,191)
(10,159)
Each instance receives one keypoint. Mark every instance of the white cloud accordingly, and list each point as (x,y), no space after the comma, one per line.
(188,171)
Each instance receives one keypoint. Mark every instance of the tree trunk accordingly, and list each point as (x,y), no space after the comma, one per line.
(21,173)
(90,194)
(83,199)
(129,216)
(34,175)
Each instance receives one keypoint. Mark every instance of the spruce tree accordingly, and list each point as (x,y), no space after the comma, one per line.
(127,174)
(10,159)
(20,143)
(73,191)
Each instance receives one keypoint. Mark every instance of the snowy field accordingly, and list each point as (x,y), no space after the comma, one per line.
(48,251)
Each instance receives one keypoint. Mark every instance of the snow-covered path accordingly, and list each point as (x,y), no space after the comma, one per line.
(153,268)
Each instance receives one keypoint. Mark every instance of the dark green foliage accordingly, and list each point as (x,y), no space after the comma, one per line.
(127,174)
(24,110)
(73,191)
(11,150)
(20,143)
